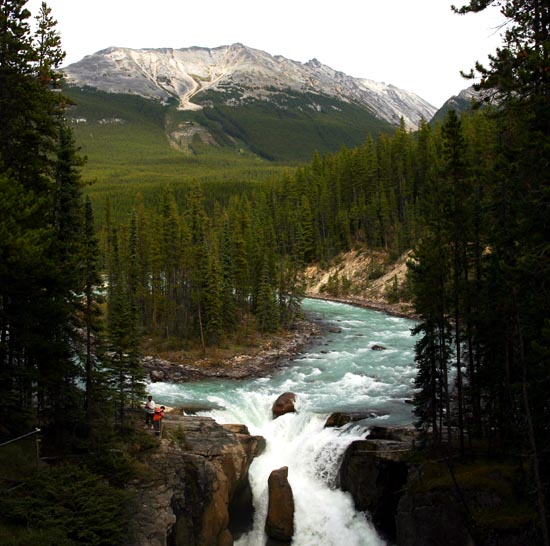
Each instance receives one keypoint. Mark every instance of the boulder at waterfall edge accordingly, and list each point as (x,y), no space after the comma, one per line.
(284,404)
(279,524)
(374,473)
(339,418)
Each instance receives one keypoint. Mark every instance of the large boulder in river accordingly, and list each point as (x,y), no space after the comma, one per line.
(157,375)
(339,418)
(279,524)
(284,404)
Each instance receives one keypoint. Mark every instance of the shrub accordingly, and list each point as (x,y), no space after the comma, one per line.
(65,505)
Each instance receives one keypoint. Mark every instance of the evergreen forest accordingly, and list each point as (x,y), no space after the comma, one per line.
(81,293)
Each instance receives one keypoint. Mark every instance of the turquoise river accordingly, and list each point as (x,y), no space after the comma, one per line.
(340,372)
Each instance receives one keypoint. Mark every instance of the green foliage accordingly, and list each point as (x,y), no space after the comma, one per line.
(288,128)
(510,509)
(65,504)
(177,435)
(124,139)
(486,255)
(133,144)
(100,108)
(392,291)
(40,277)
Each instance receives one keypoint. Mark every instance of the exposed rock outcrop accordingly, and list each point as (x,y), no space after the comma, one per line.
(374,472)
(362,277)
(284,404)
(413,506)
(279,524)
(339,419)
(200,478)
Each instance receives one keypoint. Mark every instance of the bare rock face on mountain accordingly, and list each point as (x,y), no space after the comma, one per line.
(199,491)
(238,74)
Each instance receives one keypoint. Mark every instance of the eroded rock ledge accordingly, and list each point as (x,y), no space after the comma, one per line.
(411,506)
(199,479)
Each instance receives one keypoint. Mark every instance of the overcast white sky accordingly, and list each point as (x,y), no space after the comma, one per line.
(418,45)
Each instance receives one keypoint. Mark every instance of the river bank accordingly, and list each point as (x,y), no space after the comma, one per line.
(400,309)
(258,361)
(365,278)
(274,352)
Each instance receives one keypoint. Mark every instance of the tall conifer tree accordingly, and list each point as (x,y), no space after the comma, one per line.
(39,284)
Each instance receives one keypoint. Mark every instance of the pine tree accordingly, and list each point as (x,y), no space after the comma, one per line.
(40,280)
(47,44)
(126,373)
(519,80)
(266,302)
(92,283)
(213,296)
(429,277)
(454,175)
(229,289)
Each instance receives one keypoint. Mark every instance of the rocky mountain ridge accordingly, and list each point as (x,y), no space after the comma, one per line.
(461,102)
(237,74)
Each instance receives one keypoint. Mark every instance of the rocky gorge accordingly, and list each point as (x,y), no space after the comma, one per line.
(200,495)
(203,493)
(415,500)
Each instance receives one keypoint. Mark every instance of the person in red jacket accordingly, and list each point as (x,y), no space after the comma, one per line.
(157,418)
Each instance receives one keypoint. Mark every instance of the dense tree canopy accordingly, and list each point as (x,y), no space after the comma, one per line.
(41,224)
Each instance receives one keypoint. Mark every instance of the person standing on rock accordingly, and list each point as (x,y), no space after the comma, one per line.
(149,411)
(157,418)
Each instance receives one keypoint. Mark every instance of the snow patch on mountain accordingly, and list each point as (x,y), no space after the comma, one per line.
(183,74)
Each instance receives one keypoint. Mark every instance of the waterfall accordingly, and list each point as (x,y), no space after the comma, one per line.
(341,373)
(312,453)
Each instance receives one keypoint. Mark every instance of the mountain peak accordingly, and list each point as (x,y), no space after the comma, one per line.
(186,74)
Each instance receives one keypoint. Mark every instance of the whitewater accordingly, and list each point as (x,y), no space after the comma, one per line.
(341,372)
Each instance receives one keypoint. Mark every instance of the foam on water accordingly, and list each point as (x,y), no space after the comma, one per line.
(341,373)
(323,515)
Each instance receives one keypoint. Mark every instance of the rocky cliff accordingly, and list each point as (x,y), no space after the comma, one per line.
(374,471)
(198,493)
(417,501)
(363,277)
